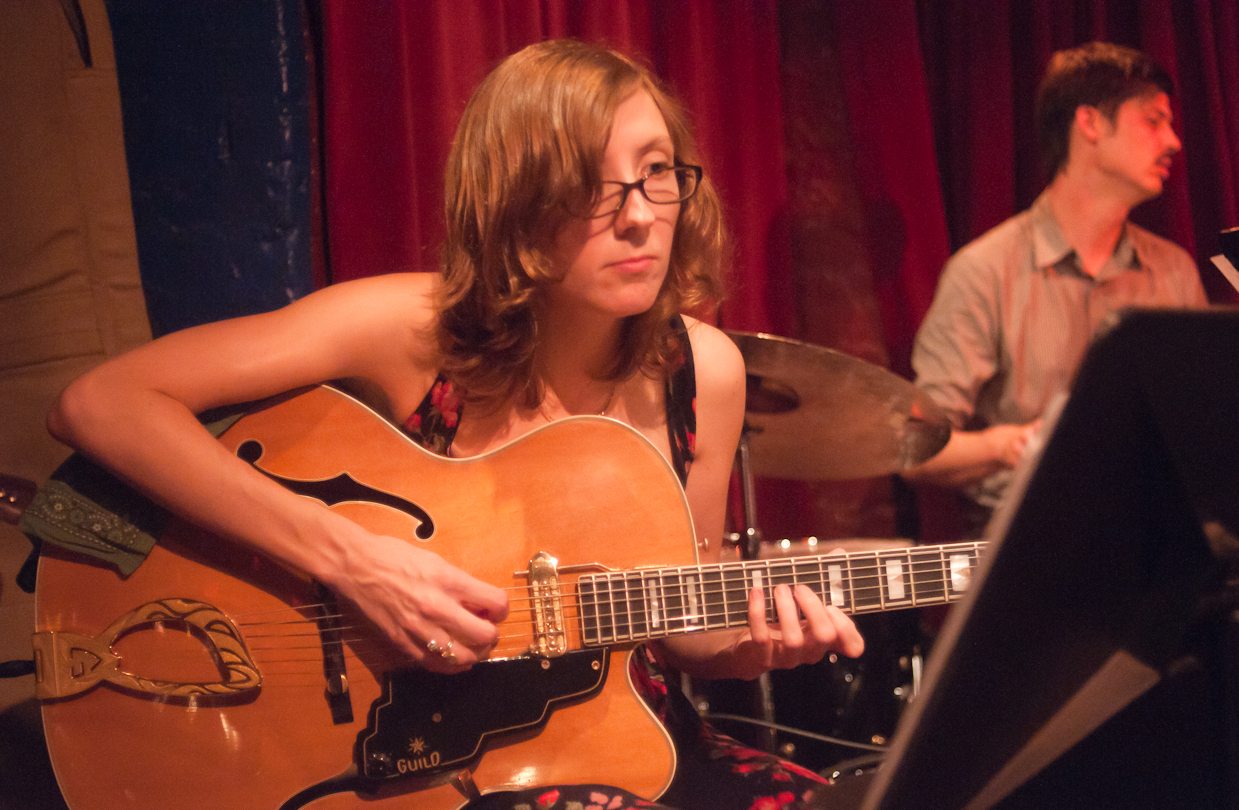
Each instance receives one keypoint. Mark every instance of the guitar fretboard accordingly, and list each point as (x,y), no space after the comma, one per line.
(648,603)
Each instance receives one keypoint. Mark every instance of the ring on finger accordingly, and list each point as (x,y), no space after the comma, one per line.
(443,651)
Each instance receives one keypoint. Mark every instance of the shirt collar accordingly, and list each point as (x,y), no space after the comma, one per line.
(1050,247)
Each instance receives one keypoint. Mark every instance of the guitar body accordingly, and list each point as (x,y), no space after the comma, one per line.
(585,490)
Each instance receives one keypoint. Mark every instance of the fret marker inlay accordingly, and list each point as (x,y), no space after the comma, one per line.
(694,602)
(834,574)
(656,619)
(894,580)
(961,572)
(647,604)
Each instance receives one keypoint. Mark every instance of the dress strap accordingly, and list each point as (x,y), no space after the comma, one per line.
(433,425)
(681,396)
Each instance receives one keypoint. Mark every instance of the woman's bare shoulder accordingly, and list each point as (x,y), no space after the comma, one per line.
(390,308)
(716,357)
(391,335)
(409,294)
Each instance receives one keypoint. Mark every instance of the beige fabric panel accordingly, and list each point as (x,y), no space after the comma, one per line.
(70,294)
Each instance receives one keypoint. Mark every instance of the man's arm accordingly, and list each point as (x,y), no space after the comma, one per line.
(956,354)
(973,455)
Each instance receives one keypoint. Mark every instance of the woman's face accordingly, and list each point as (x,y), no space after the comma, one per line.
(615,264)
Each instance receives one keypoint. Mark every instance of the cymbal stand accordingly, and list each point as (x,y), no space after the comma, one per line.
(751,544)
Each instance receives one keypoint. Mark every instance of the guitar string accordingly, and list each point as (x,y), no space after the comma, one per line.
(930,557)
(626,623)
(626,629)
(624,591)
(612,625)
(636,582)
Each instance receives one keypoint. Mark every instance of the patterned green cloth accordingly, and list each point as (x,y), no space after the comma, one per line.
(83,507)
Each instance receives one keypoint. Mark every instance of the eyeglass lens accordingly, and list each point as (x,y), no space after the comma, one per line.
(670,185)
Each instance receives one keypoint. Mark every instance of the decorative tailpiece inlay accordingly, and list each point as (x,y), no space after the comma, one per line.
(69,663)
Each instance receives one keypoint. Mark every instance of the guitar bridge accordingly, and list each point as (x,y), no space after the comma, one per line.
(550,638)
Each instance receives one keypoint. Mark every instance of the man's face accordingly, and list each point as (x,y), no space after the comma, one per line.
(1136,148)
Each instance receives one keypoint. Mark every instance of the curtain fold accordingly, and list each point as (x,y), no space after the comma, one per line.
(985,138)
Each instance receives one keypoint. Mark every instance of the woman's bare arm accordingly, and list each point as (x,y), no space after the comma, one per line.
(136,415)
(769,642)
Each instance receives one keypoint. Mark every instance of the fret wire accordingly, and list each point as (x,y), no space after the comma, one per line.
(871,572)
(611,609)
(730,588)
(662,600)
(596,618)
(682,596)
(768,588)
(694,594)
(642,625)
(597,585)
(675,600)
(600,585)
(636,614)
(851,585)
(942,570)
(636,617)
(622,602)
(617,606)
(613,636)
(707,605)
(730,581)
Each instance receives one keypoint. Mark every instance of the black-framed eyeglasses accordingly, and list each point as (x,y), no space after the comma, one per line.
(665,186)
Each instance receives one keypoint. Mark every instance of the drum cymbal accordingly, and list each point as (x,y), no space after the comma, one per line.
(816,414)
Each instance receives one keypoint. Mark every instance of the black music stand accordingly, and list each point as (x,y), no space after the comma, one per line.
(1091,665)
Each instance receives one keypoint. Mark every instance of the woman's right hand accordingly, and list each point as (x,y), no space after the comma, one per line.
(435,613)
(135,415)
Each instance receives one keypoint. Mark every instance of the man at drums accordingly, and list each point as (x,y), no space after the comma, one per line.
(1016,309)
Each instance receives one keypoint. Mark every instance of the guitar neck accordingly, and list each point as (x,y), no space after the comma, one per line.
(650,603)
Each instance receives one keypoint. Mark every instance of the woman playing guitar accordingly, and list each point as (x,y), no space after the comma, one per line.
(578,227)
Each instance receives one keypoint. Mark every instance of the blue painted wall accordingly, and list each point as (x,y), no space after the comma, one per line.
(214,98)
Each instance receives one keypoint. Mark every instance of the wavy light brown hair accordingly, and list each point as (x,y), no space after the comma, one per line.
(527,154)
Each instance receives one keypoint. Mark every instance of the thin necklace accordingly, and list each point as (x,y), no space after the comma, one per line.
(606,406)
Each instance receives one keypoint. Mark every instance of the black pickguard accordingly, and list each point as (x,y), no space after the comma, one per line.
(426,723)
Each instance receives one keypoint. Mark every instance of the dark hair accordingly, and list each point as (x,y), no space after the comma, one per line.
(1099,74)
(527,153)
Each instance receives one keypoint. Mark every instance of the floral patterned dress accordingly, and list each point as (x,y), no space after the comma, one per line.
(714,771)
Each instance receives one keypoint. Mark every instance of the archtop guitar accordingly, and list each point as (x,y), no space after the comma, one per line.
(211,677)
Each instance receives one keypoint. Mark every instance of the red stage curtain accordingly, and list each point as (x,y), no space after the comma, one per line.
(984,60)
(397,75)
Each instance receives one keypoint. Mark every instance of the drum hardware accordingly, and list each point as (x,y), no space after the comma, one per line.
(862,420)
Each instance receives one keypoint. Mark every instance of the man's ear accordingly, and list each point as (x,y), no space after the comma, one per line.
(1091,121)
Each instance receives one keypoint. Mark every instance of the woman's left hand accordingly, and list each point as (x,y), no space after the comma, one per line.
(791,640)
